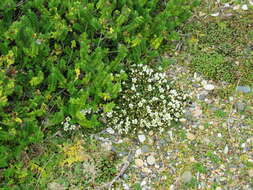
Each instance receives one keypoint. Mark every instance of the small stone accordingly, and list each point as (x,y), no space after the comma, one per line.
(197,112)
(215,14)
(141,138)
(244,89)
(55,186)
(138,152)
(107,146)
(226,149)
(250,172)
(245,7)
(125,176)
(201,127)
(236,7)
(151,160)
(146,170)
(201,96)
(110,131)
(208,87)
(218,188)
(240,106)
(190,136)
(138,162)
(186,176)
(145,149)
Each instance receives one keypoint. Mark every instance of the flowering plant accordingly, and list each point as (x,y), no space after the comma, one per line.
(148,101)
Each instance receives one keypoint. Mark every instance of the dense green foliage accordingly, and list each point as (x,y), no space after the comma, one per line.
(58,57)
(221,48)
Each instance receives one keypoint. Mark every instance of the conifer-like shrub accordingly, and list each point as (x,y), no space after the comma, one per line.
(59,57)
(148,101)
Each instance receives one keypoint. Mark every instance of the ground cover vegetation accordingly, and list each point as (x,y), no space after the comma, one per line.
(60,68)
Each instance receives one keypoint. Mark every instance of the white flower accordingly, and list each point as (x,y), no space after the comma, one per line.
(134,80)
(149,88)
(67,118)
(140,104)
(131,106)
(245,7)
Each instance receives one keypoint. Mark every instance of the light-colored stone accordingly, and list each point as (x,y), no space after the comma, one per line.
(141,138)
(186,176)
(146,170)
(197,112)
(226,149)
(201,127)
(218,188)
(55,186)
(250,172)
(110,131)
(138,152)
(245,7)
(191,136)
(208,87)
(151,160)
(138,162)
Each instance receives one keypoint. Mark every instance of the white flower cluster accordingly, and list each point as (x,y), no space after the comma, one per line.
(69,127)
(147,102)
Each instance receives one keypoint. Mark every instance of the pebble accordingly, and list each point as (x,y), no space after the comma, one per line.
(226,149)
(197,112)
(201,127)
(151,160)
(145,149)
(244,89)
(55,186)
(146,170)
(138,162)
(186,176)
(240,106)
(110,131)
(141,138)
(190,136)
(250,172)
(208,87)
(138,152)
(245,7)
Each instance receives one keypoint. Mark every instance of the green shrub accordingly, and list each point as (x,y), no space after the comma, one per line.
(59,57)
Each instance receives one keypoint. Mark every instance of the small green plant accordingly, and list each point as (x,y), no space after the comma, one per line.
(213,66)
(199,167)
(148,101)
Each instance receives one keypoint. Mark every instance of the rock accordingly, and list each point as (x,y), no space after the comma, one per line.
(201,127)
(107,146)
(250,172)
(209,87)
(146,170)
(110,131)
(138,152)
(240,106)
(245,7)
(125,176)
(55,186)
(139,163)
(244,89)
(151,160)
(186,176)
(145,149)
(141,138)
(226,149)
(190,136)
(201,96)
(197,112)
